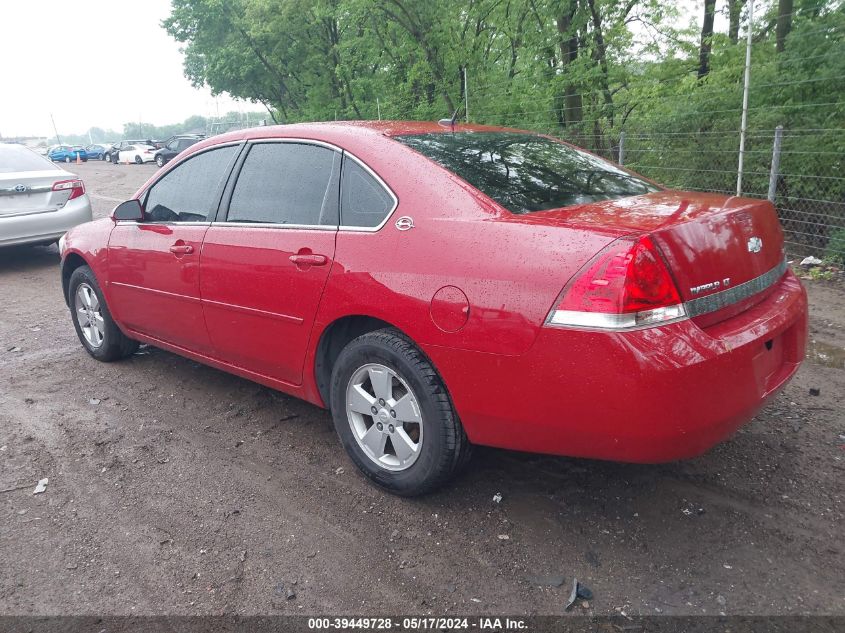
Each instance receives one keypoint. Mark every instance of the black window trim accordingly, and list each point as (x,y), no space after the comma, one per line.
(142,198)
(230,187)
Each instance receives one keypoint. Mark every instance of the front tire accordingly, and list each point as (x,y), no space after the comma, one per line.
(107,157)
(394,416)
(67,159)
(160,161)
(139,160)
(97,331)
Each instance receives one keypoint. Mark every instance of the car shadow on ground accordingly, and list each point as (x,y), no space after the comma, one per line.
(541,489)
(28,258)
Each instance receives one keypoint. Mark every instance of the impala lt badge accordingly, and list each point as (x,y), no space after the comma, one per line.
(713,285)
(755,244)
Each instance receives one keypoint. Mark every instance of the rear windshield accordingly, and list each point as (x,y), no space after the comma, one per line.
(18,158)
(524,172)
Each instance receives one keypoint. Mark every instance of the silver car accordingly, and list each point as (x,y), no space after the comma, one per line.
(39,201)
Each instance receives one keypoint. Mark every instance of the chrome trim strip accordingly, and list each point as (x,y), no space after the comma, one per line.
(149,223)
(301,141)
(254,311)
(10,191)
(578,320)
(362,164)
(161,293)
(572,319)
(16,214)
(724,298)
(367,229)
(273,225)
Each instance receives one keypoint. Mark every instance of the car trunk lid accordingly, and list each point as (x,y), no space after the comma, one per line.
(712,243)
(23,193)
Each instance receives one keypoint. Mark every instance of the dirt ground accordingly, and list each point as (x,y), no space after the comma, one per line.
(178,489)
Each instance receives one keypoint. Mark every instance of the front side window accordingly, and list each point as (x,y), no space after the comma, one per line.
(364,202)
(189,192)
(287,183)
(525,172)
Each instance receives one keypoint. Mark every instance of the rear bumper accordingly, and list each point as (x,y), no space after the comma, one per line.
(651,395)
(35,228)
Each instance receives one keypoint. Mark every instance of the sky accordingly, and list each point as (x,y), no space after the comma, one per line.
(60,57)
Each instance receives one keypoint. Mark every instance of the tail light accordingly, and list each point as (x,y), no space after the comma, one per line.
(626,285)
(76,187)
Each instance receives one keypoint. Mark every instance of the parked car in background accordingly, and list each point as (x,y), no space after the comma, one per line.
(137,153)
(111,154)
(96,151)
(441,287)
(39,201)
(67,153)
(175,145)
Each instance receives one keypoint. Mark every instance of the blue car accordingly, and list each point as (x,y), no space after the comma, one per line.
(67,153)
(97,151)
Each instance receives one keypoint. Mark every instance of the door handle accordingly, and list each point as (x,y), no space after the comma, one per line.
(309,259)
(181,249)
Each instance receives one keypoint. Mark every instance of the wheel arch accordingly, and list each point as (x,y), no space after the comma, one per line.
(333,339)
(71,262)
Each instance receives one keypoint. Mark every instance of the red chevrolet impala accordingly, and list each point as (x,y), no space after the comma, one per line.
(439,287)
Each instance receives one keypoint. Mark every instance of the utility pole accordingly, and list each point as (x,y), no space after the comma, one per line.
(621,148)
(775,170)
(58,140)
(466,96)
(744,123)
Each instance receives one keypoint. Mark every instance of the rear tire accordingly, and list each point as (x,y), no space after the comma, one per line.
(97,331)
(107,157)
(415,411)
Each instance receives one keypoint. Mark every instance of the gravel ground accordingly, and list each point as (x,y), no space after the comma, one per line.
(178,489)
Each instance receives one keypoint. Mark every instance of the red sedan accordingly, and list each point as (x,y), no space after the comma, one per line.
(437,288)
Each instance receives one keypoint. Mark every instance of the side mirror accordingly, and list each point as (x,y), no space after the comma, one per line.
(129,210)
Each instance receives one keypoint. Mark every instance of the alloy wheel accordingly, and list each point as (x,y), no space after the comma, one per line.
(89,315)
(385,417)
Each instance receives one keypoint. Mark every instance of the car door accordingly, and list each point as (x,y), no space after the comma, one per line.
(265,263)
(153,276)
(170,150)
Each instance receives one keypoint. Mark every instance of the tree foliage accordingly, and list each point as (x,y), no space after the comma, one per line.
(586,70)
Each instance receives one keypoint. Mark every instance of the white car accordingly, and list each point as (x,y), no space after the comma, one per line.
(39,201)
(137,153)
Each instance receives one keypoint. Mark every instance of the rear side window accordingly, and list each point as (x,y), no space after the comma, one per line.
(189,192)
(525,172)
(287,183)
(364,202)
(18,158)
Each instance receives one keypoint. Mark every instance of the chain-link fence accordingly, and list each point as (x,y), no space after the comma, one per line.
(685,133)
(801,171)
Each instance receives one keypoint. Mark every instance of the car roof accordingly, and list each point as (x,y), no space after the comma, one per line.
(355,128)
